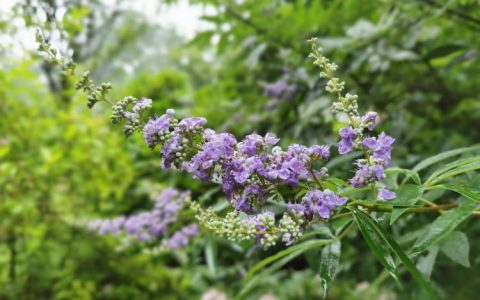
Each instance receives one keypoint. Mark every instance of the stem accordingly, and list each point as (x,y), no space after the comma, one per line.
(387,208)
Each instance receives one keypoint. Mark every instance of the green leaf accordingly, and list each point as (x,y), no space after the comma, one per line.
(329,263)
(442,156)
(443,226)
(407,195)
(295,249)
(456,247)
(444,50)
(453,165)
(471,193)
(457,171)
(376,243)
(210,256)
(384,245)
(426,263)
(408,174)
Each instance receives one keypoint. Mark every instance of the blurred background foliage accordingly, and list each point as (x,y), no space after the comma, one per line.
(245,69)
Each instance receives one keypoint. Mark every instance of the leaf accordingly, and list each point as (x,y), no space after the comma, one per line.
(408,174)
(385,246)
(457,171)
(443,50)
(425,263)
(407,195)
(443,226)
(329,263)
(471,193)
(453,165)
(376,243)
(456,247)
(295,249)
(442,156)
(210,256)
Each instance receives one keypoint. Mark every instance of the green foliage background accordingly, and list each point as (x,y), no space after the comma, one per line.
(415,62)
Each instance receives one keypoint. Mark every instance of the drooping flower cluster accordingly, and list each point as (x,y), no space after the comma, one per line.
(146,226)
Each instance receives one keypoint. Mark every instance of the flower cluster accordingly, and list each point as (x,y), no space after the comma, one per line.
(181,238)
(317,202)
(353,136)
(250,171)
(148,225)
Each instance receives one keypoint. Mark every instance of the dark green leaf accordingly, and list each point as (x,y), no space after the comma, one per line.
(383,245)
(443,50)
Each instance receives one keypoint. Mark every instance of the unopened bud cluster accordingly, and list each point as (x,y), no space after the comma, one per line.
(263,227)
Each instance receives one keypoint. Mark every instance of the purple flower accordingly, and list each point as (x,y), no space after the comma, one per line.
(180,238)
(142,105)
(217,147)
(348,136)
(192,123)
(319,202)
(271,139)
(280,89)
(381,147)
(156,128)
(322,151)
(370,120)
(367,174)
(385,194)
(145,225)
(250,144)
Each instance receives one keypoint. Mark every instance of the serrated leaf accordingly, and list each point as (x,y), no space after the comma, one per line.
(443,226)
(442,156)
(407,195)
(329,263)
(471,193)
(371,231)
(456,247)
